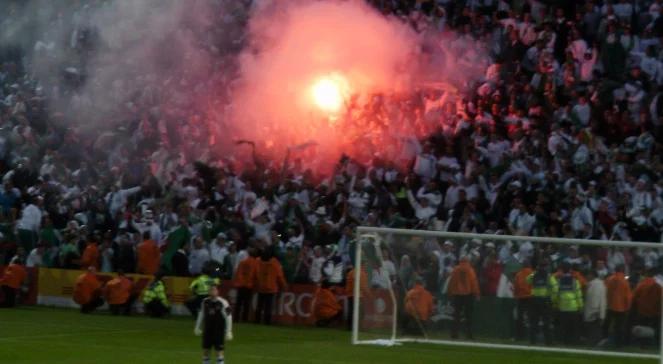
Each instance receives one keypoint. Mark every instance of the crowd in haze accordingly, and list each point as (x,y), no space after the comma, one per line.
(561,137)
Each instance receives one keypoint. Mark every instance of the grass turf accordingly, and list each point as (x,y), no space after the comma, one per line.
(41,335)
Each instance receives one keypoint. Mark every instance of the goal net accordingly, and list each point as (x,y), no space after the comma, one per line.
(512,292)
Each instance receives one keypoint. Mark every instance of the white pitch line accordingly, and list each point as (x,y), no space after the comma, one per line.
(80,333)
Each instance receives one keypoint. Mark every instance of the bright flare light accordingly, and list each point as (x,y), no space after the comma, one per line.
(328,93)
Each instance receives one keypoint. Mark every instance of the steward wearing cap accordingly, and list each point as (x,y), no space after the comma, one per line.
(200,289)
(543,286)
(155,300)
(568,300)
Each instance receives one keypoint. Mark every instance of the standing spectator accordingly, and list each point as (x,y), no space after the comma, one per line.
(27,227)
(595,306)
(619,303)
(218,250)
(148,256)
(198,257)
(463,289)
(90,257)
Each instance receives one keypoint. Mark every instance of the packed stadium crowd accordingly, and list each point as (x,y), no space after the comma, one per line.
(560,138)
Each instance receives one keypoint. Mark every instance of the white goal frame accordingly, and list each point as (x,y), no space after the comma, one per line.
(367,232)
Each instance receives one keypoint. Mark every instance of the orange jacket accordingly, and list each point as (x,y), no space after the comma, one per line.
(522,289)
(246,273)
(350,283)
(14,276)
(463,281)
(647,298)
(148,257)
(118,290)
(419,303)
(90,256)
(618,292)
(86,288)
(269,276)
(326,305)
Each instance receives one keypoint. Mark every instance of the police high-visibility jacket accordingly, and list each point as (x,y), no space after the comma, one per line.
(269,276)
(201,285)
(419,303)
(647,298)
(618,292)
(118,290)
(245,276)
(521,287)
(148,257)
(14,276)
(86,288)
(543,284)
(568,295)
(350,283)
(326,305)
(577,275)
(90,256)
(463,280)
(156,291)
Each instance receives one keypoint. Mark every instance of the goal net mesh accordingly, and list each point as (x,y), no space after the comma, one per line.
(496,291)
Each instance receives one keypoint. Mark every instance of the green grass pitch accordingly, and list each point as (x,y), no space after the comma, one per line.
(33,335)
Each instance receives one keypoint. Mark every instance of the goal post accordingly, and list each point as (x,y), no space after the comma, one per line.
(396,271)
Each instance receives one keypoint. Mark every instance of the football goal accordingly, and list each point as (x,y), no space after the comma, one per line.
(561,295)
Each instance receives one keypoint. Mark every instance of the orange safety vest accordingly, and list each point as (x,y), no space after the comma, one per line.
(86,288)
(618,292)
(246,273)
(463,281)
(118,290)
(14,276)
(148,256)
(419,303)
(269,276)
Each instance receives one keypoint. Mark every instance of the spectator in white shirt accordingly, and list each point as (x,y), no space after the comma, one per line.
(595,306)
(198,256)
(218,250)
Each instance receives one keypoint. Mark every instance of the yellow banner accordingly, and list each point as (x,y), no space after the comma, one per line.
(60,283)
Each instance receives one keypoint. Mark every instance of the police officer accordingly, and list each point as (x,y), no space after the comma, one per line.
(568,300)
(155,300)
(543,285)
(199,289)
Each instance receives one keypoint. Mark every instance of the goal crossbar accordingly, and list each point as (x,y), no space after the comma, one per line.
(376,231)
